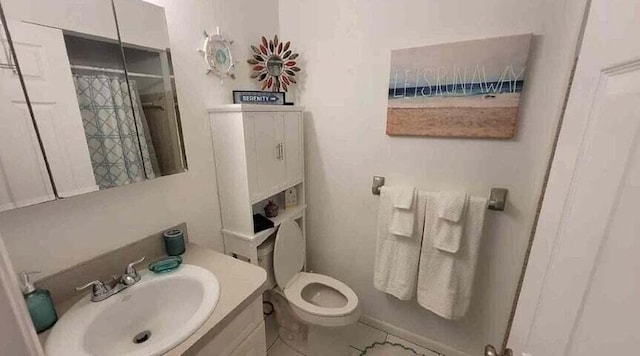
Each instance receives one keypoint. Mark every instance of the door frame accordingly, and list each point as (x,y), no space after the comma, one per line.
(14,314)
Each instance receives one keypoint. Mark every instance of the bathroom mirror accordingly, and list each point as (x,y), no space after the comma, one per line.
(101,89)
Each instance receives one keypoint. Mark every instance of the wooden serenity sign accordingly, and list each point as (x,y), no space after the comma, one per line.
(462,89)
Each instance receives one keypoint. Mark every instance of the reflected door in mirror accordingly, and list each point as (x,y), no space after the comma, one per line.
(45,68)
(24,179)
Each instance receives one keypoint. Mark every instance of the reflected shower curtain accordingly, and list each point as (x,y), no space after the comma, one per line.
(121,151)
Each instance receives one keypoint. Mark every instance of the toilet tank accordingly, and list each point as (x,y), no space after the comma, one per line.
(265,259)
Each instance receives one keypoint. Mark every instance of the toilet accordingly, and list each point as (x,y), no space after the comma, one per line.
(326,305)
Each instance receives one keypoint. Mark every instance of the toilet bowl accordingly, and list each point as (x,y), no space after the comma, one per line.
(325,304)
(321,300)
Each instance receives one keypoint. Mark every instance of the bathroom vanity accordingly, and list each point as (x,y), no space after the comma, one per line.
(235,327)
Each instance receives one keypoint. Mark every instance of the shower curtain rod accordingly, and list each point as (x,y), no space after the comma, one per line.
(112,70)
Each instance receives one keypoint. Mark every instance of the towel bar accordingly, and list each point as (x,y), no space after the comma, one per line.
(497,198)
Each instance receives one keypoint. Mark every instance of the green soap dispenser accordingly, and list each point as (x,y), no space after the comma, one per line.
(43,314)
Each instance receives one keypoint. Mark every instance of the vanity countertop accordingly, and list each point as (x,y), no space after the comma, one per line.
(240,284)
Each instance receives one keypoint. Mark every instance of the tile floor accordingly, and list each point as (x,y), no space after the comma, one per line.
(362,336)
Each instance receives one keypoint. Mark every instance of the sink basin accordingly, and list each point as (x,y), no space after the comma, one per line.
(148,318)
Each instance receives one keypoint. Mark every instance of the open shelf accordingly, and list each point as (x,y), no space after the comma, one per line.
(259,237)
(293,212)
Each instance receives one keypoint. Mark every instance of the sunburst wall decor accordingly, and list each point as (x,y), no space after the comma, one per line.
(274,64)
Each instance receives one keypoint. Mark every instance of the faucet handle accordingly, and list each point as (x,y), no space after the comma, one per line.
(131,269)
(99,288)
(131,276)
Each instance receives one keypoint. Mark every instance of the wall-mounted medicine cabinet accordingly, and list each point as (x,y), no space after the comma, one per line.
(87,98)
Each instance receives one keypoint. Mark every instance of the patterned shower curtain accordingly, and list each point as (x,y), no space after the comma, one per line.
(119,143)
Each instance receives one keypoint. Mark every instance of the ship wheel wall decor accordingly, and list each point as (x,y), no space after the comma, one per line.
(274,64)
(218,58)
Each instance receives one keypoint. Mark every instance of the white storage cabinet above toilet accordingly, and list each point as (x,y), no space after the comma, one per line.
(259,155)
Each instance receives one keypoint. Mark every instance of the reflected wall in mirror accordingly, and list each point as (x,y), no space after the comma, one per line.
(145,43)
(102,92)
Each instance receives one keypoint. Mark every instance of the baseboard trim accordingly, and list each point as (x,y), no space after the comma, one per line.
(411,337)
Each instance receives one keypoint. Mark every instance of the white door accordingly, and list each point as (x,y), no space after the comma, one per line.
(24,179)
(46,70)
(268,133)
(581,293)
(293,148)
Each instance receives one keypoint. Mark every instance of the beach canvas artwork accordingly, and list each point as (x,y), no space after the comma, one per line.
(461,89)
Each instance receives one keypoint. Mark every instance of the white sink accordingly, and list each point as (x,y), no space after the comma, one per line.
(170,307)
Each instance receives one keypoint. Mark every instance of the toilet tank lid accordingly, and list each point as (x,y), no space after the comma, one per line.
(288,253)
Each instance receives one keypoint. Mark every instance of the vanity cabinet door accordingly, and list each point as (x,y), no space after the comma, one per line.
(268,135)
(254,344)
(244,335)
(293,148)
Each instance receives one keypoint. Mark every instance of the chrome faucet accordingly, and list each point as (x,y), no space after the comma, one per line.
(101,291)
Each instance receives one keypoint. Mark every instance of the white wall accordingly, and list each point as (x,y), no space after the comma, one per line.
(345,48)
(53,236)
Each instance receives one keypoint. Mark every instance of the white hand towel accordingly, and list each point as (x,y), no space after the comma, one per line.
(403,216)
(450,207)
(397,258)
(444,279)
(404,197)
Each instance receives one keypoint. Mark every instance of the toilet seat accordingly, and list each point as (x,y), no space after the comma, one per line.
(288,261)
(293,293)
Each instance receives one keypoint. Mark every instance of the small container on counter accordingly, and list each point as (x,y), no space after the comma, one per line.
(43,313)
(174,242)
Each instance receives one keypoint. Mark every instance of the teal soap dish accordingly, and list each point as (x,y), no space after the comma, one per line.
(165,265)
